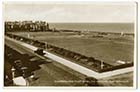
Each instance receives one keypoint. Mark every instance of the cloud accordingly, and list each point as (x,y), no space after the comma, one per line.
(94,12)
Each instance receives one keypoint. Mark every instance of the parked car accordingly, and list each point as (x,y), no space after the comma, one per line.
(39,51)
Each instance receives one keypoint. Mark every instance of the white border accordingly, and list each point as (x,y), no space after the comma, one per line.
(73,89)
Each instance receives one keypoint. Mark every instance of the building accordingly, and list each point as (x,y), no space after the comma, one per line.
(13,26)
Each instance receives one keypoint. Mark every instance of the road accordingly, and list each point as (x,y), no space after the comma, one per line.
(50,74)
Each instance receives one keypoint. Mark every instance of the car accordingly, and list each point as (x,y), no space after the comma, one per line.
(39,51)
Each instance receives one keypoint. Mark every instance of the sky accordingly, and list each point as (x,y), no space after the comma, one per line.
(120,12)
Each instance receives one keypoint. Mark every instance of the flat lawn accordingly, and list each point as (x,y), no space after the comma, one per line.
(108,49)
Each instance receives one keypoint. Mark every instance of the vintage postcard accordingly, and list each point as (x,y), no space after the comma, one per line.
(69,44)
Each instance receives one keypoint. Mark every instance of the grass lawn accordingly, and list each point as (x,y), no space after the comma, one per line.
(108,49)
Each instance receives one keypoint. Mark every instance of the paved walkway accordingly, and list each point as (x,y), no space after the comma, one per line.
(75,66)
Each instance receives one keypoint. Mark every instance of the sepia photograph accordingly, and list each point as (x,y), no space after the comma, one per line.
(69,44)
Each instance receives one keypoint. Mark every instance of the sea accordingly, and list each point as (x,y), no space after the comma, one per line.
(98,27)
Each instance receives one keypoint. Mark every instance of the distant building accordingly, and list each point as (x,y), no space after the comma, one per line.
(26,26)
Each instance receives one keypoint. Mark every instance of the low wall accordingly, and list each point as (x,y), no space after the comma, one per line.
(89,62)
